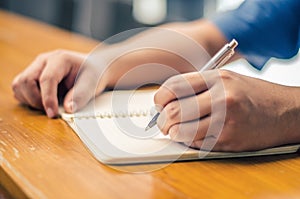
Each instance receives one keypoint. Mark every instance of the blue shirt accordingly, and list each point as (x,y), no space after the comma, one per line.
(264,29)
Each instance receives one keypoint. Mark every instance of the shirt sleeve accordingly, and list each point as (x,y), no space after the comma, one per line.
(263,28)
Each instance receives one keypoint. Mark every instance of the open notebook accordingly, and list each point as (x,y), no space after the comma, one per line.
(112,126)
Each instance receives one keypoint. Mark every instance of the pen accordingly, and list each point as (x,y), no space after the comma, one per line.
(220,58)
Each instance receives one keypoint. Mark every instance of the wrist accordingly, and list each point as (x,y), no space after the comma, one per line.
(292,115)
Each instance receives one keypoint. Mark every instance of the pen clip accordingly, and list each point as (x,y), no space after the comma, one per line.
(224,60)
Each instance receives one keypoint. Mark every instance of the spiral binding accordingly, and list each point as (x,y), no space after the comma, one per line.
(121,114)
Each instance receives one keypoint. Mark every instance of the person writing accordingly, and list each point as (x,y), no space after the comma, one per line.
(258,114)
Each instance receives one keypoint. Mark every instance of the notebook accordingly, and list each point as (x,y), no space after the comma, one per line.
(112,126)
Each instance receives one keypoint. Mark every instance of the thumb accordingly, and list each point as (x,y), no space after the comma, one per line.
(77,98)
(70,105)
(84,89)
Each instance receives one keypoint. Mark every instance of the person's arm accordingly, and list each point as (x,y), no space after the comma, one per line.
(225,111)
(38,85)
(183,47)
(221,110)
(264,29)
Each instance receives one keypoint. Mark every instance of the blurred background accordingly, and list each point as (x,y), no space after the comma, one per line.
(101,19)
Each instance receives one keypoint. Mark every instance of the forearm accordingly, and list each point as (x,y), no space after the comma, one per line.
(290,115)
(167,51)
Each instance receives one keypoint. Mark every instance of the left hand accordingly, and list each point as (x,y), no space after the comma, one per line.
(221,110)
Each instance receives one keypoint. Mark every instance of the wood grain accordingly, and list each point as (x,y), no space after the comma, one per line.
(43,158)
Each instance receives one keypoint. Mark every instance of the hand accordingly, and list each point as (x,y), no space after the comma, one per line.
(50,73)
(226,111)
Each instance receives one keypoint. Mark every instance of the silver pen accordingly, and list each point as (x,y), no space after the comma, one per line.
(220,58)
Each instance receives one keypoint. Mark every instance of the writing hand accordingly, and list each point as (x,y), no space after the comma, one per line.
(253,114)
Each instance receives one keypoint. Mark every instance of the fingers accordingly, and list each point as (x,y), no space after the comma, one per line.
(26,86)
(48,87)
(184,98)
(190,131)
(184,110)
(206,144)
(182,86)
(195,134)
(37,86)
(86,87)
(79,95)
(55,71)
(17,91)
(193,109)
(32,94)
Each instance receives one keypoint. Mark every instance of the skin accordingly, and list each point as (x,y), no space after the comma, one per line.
(258,114)
(252,114)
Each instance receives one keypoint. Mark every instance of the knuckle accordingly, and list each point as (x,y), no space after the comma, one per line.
(174,84)
(172,111)
(230,99)
(46,78)
(61,54)
(15,84)
(229,77)
(31,84)
(41,57)
(226,74)
(24,80)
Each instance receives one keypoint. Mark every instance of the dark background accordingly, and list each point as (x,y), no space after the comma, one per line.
(99,18)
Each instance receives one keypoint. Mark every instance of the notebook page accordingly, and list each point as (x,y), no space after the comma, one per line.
(136,107)
(110,143)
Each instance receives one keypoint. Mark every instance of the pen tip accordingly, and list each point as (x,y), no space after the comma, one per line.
(147,128)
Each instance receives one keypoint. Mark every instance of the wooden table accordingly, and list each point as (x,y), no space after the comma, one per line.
(43,158)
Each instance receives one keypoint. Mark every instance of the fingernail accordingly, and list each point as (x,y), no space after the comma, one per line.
(72,106)
(50,113)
